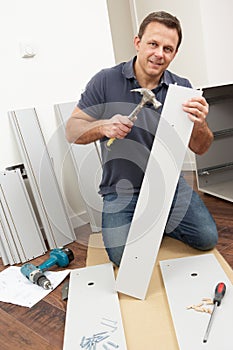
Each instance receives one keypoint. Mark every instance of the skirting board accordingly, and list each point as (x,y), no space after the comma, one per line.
(48,197)
(93,310)
(187,281)
(79,219)
(156,194)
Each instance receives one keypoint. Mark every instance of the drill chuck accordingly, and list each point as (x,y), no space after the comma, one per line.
(36,276)
(41,280)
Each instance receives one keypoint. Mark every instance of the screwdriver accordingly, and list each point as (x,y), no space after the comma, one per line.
(218,296)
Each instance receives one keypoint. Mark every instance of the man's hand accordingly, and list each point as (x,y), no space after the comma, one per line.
(202,137)
(197,109)
(117,127)
(82,128)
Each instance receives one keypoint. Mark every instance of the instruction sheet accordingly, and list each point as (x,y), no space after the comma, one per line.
(17,289)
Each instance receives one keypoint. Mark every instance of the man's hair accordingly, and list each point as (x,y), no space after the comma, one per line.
(164,18)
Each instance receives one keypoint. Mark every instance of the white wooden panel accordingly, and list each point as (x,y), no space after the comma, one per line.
(3,252)
(88,167)
(41,175)
(21,218)
(156,195)
(6,238)
(187,281)
(93,309)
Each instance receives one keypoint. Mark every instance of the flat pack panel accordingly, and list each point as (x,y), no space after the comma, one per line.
(87,164)
(42,178)
(93,312)
(217,154)
(3,252)
(10,252)
(25,230)
(187,281)
(220,189)
(156,195)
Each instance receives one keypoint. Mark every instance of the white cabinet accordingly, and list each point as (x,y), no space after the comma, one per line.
(214,169)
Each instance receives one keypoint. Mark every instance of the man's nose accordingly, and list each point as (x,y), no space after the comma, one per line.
(158,52)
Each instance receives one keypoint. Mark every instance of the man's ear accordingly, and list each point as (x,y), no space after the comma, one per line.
(137,42)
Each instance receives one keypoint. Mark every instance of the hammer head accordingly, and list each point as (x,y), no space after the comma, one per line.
(148,96)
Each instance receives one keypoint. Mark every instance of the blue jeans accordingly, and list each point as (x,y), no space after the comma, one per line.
(189,221)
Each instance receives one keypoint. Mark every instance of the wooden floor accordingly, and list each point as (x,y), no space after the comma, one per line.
(222,212)
(42,326)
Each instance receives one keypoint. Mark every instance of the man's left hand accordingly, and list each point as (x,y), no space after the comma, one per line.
(197,109)
(202,137)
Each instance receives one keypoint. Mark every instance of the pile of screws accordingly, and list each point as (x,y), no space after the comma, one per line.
(201,306)
(100,339)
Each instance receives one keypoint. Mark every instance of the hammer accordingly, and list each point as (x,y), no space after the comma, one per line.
(147,96)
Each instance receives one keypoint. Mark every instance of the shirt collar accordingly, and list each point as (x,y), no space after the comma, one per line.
(128,72)
(167,78)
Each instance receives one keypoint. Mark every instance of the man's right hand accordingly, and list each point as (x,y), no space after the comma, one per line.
(82,128)
(117,127)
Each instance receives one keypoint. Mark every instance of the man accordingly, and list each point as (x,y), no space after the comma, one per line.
(102,114)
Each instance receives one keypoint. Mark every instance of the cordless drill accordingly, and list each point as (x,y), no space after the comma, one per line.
(58,256)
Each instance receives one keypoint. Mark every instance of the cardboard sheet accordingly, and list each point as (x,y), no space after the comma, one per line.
(148,323)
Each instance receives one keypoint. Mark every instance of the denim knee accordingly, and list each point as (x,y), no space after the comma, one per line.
(115,254)
(208,238)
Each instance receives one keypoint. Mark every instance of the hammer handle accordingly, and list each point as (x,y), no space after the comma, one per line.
(132,115)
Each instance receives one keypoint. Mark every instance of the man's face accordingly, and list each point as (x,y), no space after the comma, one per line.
(155,50)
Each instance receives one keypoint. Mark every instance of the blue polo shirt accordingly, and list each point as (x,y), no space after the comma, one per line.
(109,93)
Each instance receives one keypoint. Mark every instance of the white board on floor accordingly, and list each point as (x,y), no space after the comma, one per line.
(93,310)
(187,281)
(156,194)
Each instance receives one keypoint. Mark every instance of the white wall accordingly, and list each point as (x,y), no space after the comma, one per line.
(217,29)
(121,29)
(72,41)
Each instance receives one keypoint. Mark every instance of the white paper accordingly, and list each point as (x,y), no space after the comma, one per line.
(17,289)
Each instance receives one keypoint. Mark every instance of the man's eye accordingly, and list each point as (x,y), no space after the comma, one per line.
(168,49)
(153,44)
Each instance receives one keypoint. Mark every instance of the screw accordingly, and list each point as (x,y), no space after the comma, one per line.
(97,334)
(116,346)
(108,325)
(108,320)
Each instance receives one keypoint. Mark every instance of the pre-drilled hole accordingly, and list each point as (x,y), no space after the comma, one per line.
(194,274)
(90,283)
